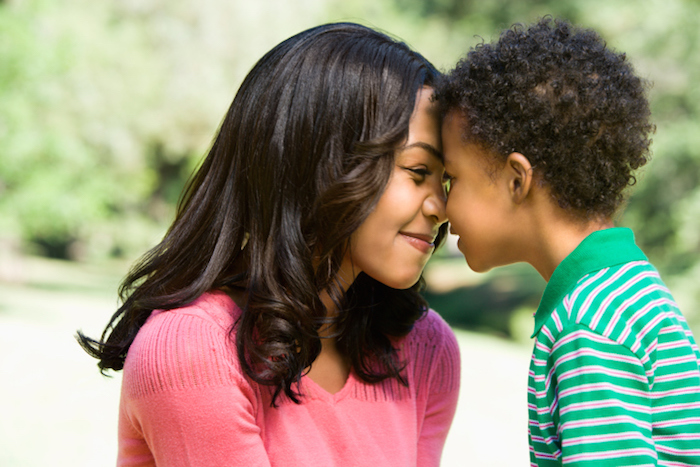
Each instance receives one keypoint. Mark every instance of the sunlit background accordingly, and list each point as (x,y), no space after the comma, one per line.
(105,108)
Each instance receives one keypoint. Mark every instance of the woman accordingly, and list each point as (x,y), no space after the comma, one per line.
(288,329)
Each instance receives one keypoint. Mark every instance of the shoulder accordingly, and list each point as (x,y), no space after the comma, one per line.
(622,309)
(620,302)
(432,328)
(215,307)
(186,347)
(604,298)
(431,351)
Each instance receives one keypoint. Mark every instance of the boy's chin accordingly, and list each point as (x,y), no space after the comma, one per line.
(477,266)
(474,263)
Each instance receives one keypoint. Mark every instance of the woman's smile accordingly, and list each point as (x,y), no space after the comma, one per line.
(423,243)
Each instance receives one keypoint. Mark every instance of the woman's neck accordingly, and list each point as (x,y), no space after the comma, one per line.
(331,368)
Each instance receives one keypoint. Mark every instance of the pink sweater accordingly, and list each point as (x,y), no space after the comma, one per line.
(186,402)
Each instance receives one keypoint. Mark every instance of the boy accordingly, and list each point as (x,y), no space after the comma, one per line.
(542,131)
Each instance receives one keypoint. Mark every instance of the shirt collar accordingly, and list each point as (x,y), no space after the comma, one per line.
(601,249)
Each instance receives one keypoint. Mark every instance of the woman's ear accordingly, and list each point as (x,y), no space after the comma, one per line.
(520,175)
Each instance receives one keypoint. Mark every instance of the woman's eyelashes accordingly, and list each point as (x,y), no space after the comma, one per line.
(420,173)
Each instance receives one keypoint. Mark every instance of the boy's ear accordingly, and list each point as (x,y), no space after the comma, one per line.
(519,172)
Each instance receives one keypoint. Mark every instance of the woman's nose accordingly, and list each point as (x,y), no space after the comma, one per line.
(434,204)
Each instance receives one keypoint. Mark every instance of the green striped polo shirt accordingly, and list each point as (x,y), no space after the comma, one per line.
(615,373)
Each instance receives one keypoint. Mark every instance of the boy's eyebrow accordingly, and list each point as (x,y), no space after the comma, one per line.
(428,148)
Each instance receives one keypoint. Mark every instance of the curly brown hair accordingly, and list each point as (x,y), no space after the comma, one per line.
(558,95)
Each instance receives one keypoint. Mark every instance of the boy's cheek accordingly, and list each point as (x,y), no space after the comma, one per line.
(456,218)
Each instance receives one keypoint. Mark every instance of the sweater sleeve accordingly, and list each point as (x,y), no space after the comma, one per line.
(439,361)
(602,405)
(184,400)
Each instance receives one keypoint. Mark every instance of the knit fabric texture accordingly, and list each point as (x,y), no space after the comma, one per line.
(186,402)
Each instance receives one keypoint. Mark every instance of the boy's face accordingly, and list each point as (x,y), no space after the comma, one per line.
(478,204)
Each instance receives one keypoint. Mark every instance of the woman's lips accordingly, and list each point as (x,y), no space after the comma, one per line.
(423,243)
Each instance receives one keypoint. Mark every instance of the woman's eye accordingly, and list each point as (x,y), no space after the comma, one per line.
(421,172)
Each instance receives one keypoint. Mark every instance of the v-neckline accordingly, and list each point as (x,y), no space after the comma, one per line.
(317,392)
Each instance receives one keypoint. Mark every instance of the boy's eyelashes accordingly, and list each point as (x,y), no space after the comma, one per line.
(447,182)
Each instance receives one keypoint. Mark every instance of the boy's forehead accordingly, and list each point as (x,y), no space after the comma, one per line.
(454,131)
(455,126)
(454,116)
(451,135)
(457,147)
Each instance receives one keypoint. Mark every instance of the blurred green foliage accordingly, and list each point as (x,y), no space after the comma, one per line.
(106,107)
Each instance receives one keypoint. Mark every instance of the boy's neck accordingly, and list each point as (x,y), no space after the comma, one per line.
(557,237)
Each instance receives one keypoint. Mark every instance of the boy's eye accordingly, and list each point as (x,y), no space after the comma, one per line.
(447,182)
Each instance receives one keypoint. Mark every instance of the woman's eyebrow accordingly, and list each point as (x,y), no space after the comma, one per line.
(427,147)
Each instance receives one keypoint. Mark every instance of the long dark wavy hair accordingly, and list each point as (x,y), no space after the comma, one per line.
(302,157)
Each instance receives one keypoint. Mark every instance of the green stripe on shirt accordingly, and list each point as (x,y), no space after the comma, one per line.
(615,373)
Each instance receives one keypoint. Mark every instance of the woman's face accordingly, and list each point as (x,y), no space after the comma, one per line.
(396,240)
